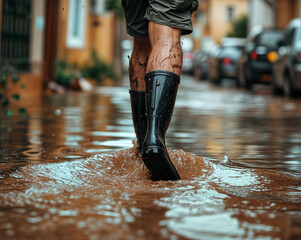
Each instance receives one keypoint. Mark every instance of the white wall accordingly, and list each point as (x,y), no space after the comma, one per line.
(260,14)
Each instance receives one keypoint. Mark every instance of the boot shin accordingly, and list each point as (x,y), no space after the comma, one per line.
(139,115)
(161,91)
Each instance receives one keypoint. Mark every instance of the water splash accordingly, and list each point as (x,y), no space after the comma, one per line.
(110,190)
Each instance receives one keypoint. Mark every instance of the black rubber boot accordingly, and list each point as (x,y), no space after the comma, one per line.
(139,115)
(161,91)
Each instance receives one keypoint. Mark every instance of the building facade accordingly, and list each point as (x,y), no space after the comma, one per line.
(34,34)
(85,26)
(22,40)
(273,13)
(214,17)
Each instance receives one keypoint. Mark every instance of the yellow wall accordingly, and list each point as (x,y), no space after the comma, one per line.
(219,26)
(102,37)
(100,32)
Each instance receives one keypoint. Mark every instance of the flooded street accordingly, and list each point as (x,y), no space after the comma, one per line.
(69,169)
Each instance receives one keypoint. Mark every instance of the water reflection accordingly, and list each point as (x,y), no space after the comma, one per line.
(69,169)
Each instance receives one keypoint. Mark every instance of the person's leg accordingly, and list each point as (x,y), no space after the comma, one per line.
(166,51)
(137,27)
(161,82)
(163,70)
(138,63)
(137,69)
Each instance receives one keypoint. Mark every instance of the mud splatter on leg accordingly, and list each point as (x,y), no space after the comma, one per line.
(138,63)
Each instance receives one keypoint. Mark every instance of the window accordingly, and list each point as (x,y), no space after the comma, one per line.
(98,7)
(76,24)
(230,13)
(15,34)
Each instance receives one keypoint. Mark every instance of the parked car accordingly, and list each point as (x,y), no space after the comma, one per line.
(224,63)
(286,76)
(200,64)
(255,64)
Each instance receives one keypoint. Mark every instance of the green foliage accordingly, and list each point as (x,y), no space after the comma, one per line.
(95,69)
(4,78)
(9,72)
(116,7)
(16,96)
(9,112)
(22,111)
(239,27)
(63,73)
(15,78)
(98,69)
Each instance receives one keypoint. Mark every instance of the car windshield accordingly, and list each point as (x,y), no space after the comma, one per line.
(269,39)
(234,52)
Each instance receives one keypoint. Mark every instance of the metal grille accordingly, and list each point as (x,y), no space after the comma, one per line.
(15,34)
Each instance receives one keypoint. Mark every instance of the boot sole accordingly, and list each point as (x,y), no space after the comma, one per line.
(159,164)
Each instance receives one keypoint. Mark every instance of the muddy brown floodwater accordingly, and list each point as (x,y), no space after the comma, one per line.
(69,169)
